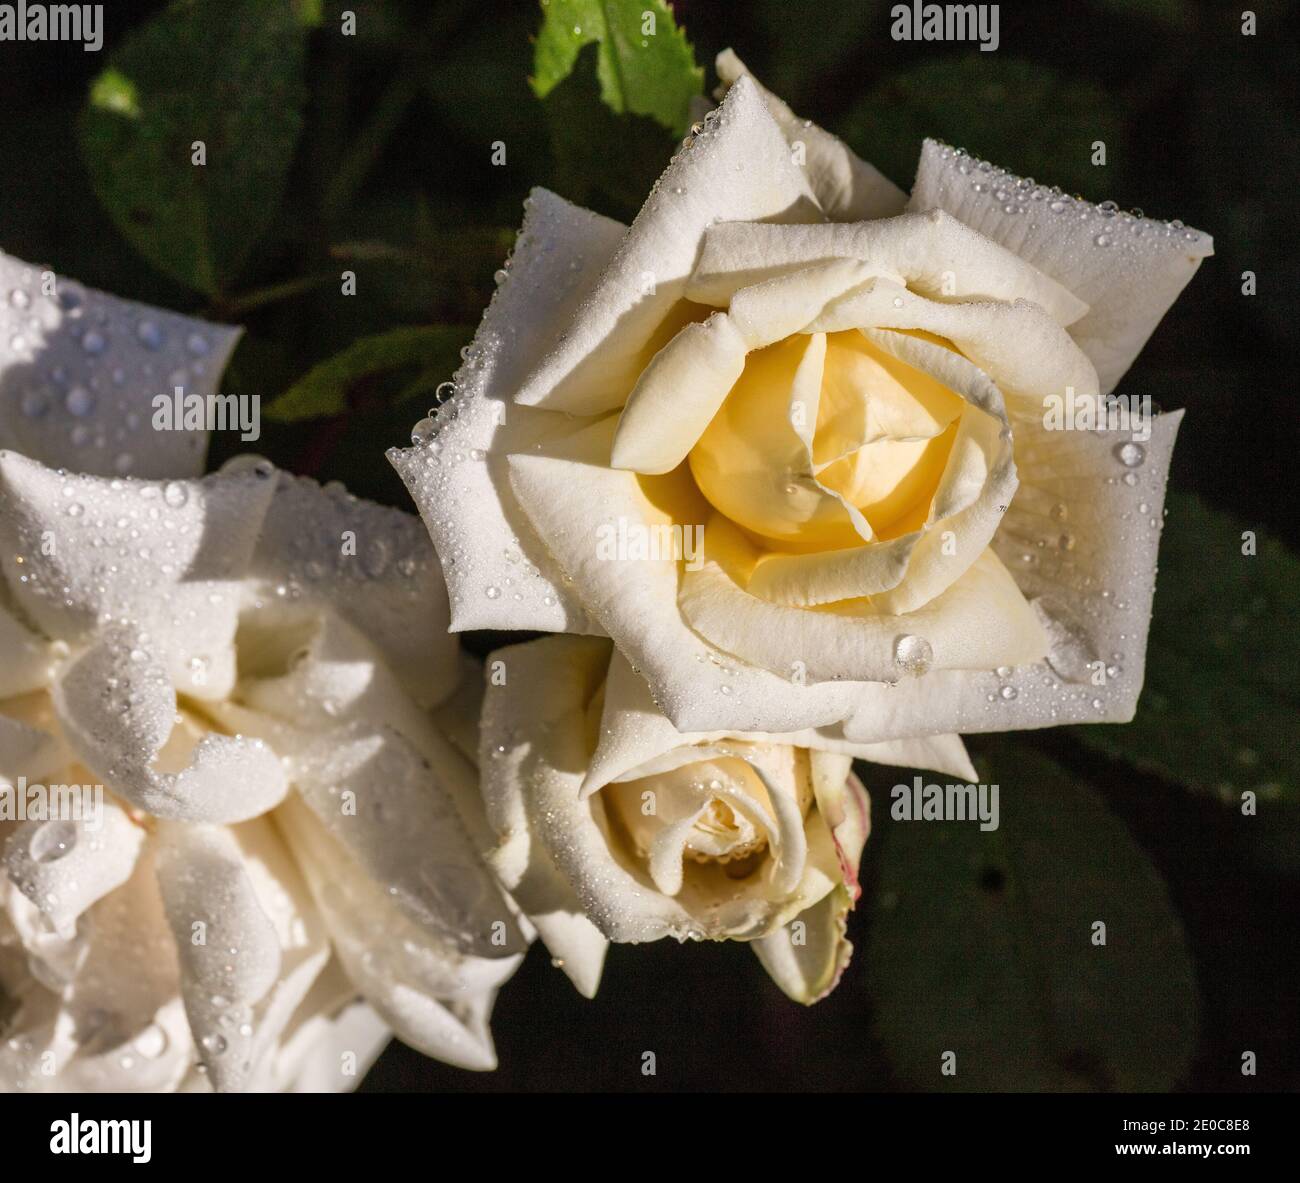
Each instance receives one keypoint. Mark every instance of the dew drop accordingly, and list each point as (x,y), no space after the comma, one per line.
(52,841)
(1130,454)
(913,654)
(79,401)
(149,335)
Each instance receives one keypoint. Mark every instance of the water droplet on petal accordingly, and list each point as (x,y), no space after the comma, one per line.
(1130,454)
(913,654)
(79,401)
(149,334)
(52,841)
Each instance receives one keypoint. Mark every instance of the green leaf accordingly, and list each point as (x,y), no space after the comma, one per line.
(228,73)
(981,944)
(1219,706)
(645,64)
(1019,115)
(428,350)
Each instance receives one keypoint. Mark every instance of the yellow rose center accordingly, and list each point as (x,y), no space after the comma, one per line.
(817,424)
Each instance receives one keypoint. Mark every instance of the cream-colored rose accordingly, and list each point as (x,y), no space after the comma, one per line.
(261,859)
(614,826)
(841,394)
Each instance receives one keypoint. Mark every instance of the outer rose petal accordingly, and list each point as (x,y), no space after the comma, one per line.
(847,187)
(313,1060)
(809,969)
(435,998)
(188,543)
(79,371)
(203,882)
(1129,280)
(457,480)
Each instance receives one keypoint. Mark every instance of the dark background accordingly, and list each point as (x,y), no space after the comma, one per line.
(1200,124)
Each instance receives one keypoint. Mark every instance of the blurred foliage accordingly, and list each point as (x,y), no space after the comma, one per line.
(219,77)
(1017,114)
(423,354)
(1218,696)
(983,944)
(401,150)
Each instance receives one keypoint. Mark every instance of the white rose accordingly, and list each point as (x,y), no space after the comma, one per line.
(264,865)
(842,392)
(614,826)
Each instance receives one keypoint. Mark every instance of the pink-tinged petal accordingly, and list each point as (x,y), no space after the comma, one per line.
(807,957)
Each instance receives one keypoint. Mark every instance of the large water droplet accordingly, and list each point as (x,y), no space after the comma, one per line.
(1130,454)
(52,841)
(913,654)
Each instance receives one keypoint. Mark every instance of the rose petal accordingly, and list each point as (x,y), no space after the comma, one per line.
(981,620)
(314,1061)
(116,708)
(740,169)
(677,394)
(634,732)
(64,865)
(457,479)
(809,965)
(78,550)
(228,947)
(932,253)
(847,187)
(435,997)
(1129,270)
(79,370)
(373,565)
